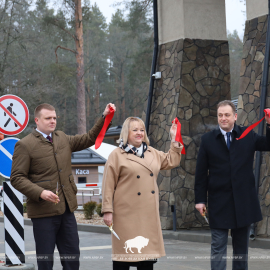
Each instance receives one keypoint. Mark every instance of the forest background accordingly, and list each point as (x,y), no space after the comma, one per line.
(117,58)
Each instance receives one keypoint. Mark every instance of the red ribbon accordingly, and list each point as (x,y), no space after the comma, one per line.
(101,134)
(178,136)
(267,112)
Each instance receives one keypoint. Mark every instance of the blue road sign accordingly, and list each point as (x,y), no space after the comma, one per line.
(6,152)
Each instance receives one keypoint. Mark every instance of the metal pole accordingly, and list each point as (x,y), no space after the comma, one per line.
(262,106)
(174,219)
(173,210)
(6,179)
(82,199)
(153,70)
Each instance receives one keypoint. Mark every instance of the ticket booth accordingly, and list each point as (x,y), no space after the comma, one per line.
(85,171)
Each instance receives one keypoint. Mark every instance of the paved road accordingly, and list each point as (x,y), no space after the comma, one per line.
(96,251)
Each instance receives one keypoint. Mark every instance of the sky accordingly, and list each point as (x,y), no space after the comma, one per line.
(235,19)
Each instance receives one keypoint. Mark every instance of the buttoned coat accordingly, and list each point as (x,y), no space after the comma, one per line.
(226,176)
(39,165)
(130,191)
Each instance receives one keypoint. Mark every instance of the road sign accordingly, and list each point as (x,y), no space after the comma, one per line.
(6,152)
(14,115)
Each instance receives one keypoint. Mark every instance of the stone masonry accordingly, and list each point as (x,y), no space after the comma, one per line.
(195,77)
(249,103)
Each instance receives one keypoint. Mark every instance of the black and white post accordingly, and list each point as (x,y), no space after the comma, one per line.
(14,225)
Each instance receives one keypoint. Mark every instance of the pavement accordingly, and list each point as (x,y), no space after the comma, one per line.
(96,252)
(193,235)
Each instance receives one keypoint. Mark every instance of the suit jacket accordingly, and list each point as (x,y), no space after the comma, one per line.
(39,165)
(226,176)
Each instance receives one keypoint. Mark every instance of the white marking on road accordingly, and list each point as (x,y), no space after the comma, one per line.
(56,251)
(95,247)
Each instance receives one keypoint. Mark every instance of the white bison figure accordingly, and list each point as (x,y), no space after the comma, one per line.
(138,242)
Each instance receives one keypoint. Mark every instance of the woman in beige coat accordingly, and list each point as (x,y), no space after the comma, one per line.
(131,196)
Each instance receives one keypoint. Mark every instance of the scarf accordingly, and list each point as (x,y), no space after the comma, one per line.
(133,150)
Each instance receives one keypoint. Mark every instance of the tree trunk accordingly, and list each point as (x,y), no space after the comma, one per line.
(97,104)
(97,109)
(6,40)
(88,89)
(123,106)
(65,114)
(88,103)
(118,99)
(81,117)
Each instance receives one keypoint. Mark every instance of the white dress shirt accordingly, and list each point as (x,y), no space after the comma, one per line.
(225,135)
(43,134)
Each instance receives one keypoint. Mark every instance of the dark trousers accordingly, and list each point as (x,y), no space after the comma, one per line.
(240,240)
(143,265)
(60,231)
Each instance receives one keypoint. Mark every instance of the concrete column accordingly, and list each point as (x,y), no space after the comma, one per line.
(250,92)
(194,61)
(198,19)
(256,8)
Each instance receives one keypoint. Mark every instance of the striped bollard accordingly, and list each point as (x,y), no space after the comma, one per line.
(14,225)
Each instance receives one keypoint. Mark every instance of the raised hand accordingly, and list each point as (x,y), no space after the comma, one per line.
(173,130)
(107,109)
(267,118)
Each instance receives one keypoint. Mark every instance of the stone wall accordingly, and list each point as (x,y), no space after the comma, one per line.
(195,77)
(249,103)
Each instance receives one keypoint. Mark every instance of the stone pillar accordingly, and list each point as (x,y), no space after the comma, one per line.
(194,61)
(250,91)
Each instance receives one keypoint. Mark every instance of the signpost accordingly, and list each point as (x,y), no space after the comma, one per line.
(14,115)
(14,225)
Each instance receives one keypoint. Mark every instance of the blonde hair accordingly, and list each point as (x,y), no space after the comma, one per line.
(127,126)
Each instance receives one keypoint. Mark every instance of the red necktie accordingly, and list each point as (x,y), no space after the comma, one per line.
(178,136)
(101,134)
(267,112)
(49,138)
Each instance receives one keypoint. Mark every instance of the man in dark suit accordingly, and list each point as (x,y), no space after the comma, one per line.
(41,170)
(224,172)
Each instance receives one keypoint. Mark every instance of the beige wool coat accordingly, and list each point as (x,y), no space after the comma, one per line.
(130,192)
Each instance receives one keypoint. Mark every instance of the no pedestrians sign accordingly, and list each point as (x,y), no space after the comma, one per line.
(14,115)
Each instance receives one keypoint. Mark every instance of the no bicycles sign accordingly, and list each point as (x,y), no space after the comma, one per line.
(14,115)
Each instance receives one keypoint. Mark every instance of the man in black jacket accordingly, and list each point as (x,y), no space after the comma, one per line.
(224,172)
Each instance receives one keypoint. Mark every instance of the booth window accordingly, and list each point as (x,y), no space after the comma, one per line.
(81,180)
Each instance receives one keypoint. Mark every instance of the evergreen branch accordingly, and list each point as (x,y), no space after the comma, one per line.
(64,29)
(61,47)
(87,70)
